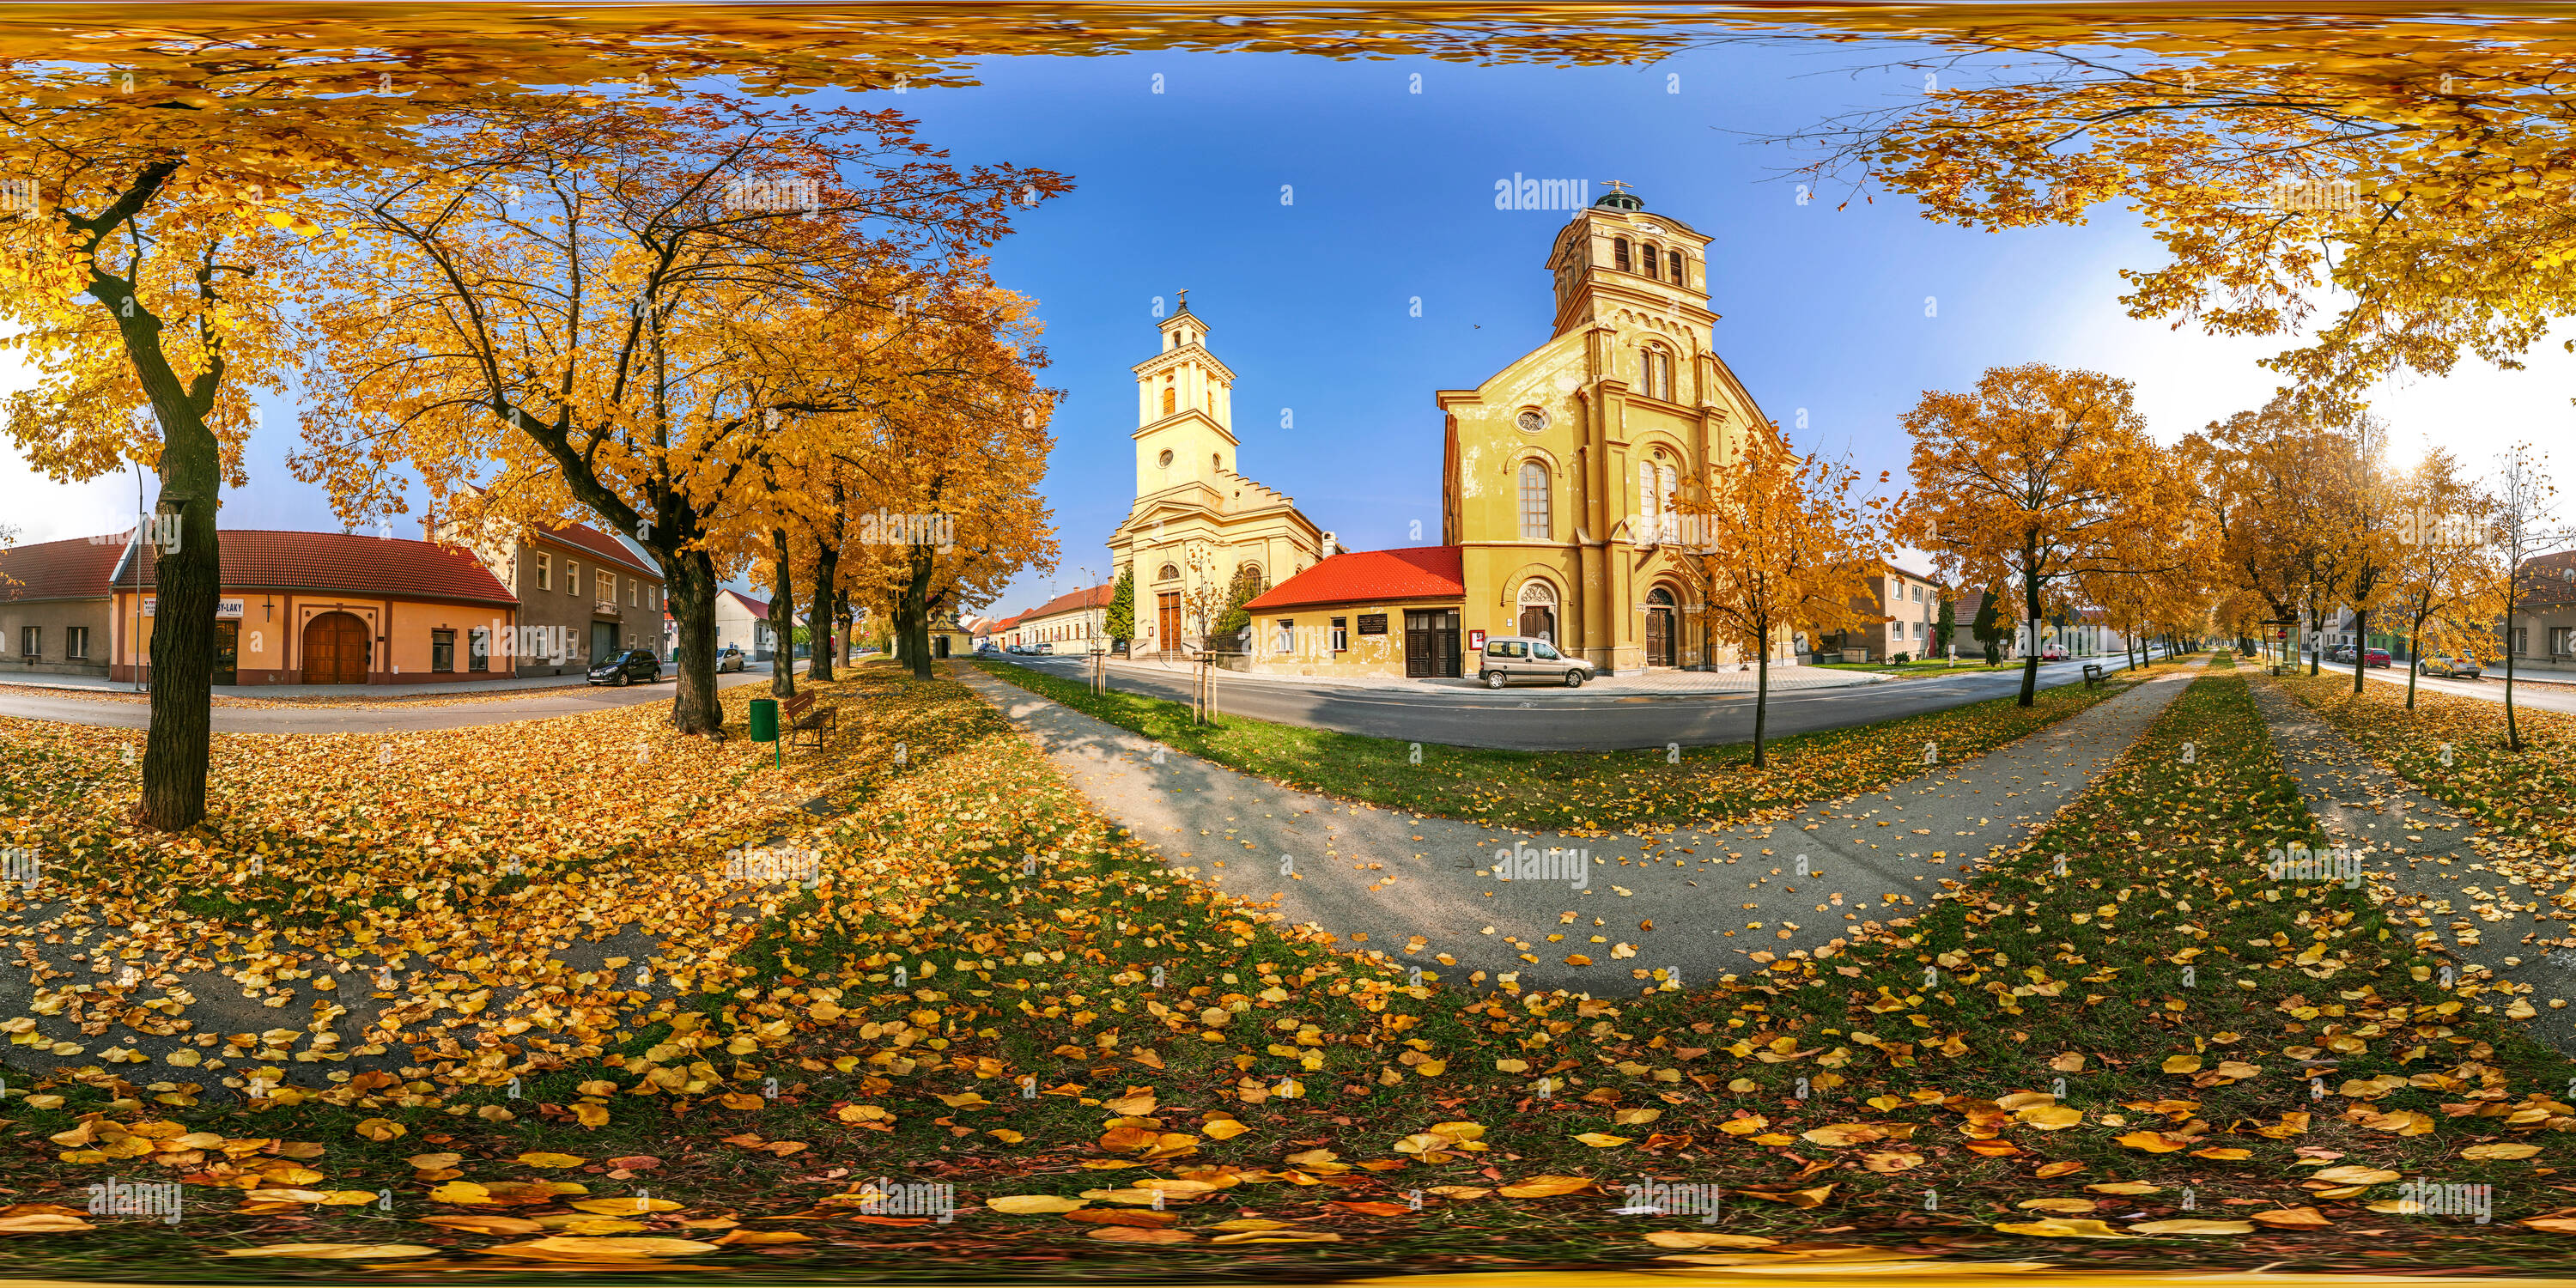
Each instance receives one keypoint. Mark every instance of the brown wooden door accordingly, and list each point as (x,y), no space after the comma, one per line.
(335,650)
(1431,643)
(1168,605)
(1659,637)
(1539,623)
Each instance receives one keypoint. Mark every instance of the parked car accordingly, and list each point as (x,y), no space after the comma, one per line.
(626,667)
(730,658)
(2052,653)
(1045,648)
(1510,658)
(2458,668)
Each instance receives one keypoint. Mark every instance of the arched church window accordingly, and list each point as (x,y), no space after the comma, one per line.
(1648,253)
(1169,573)
(1217,459)
(1619,251)
(1679,278)
(1170,400)
(1537,523)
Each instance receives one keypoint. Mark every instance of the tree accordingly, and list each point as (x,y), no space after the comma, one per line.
(2444,584)
(1245,586)
(1119,623)
(1947,625)
(2521,508)
(1988,628)
(622,308)
(2037,478)
(1783,546)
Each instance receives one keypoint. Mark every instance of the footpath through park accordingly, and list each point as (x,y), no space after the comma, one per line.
(1695,903)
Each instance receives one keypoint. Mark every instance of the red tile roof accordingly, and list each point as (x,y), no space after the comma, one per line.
(1071,601)
(73,569)
(582,536)
(398,567)
(1422,572)
(758,607)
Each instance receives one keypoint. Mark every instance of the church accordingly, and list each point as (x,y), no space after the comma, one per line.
(1559,475)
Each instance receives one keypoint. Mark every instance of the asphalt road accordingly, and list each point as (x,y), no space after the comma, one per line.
(2534,697)
(72,707)
(1550,719)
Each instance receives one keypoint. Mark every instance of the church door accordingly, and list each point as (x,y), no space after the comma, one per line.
(1539,622)
(1659,627)
(1167,635)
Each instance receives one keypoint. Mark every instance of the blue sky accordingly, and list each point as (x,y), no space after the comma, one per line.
(1310,302)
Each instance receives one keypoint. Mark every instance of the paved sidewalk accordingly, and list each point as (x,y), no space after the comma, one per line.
(2465,905)
(1416,886)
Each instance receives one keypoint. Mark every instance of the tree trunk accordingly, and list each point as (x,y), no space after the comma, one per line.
(1761,695)
(2360,648)
(782,617)
(825,617)
(187,581)
(2414,662)
(689,578)
(2512,729)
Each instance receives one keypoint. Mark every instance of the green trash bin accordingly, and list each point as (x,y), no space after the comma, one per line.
(764,719)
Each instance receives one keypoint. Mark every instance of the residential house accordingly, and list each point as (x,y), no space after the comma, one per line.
(55,613)
(583,594)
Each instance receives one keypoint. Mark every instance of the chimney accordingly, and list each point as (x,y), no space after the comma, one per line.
(1327,551)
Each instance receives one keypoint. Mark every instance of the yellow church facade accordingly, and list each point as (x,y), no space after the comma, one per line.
(1560,474)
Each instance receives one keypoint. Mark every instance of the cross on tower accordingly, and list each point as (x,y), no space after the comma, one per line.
(1184,297)
(1615,185)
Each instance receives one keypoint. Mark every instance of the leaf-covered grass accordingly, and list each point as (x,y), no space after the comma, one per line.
(1578,792)
(1164,1033)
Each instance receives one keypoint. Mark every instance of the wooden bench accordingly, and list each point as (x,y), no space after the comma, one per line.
(803,717)
(2092,674)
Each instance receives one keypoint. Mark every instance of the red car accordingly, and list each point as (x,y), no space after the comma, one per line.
(2052,654)
(2375,657)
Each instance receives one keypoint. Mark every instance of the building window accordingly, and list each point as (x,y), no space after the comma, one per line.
(572,577)
(1285,639)
(1341,635)
(75,641)
(478,649)
(2521,641)
(545,571)
(607,587)
(1171,400)
(442,650)
(29,640)
(1536,523)
(1647,252)
(1216,460)
(1169,573)
(1619,251)
(1678,278)
(1531,420)
(634,593)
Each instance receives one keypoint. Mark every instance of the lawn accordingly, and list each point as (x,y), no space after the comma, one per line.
(1580,792)
(990,989)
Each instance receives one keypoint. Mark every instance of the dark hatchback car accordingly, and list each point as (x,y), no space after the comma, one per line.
(627,667)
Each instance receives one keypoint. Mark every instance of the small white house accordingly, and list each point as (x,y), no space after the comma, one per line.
(743,622)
